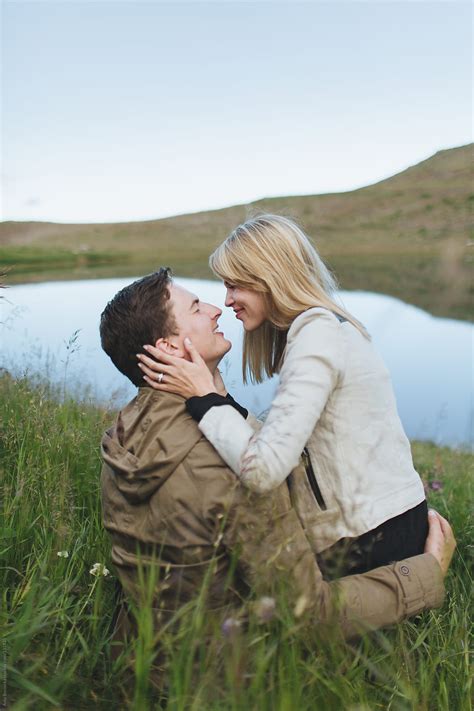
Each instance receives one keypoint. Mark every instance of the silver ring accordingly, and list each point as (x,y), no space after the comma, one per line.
(160,377)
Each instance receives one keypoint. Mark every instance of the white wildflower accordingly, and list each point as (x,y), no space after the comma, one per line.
(99,569)
(63,554)
(265,609)
(301,605)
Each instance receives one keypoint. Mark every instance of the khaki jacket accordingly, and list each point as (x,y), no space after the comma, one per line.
(168,498)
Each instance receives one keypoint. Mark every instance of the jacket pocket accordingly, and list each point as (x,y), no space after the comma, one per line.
(312,480)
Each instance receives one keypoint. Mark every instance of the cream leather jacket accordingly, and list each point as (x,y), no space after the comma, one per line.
(335,400)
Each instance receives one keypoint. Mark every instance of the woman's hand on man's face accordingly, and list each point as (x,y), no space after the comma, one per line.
(440,542)
(172,374)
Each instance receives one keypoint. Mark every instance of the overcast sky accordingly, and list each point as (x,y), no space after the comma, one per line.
(117,111)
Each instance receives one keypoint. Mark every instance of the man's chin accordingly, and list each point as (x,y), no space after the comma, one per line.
(225,348)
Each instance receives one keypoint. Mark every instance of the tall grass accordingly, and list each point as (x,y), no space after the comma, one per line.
(56,616)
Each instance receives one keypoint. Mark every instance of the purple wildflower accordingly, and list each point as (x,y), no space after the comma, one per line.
(231,627)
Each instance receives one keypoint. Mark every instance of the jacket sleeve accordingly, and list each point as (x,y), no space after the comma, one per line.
(313,363)
(274,554)
(254,422)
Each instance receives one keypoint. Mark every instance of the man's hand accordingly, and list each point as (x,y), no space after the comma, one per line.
(440,542)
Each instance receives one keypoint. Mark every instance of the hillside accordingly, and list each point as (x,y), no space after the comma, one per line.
(407,236)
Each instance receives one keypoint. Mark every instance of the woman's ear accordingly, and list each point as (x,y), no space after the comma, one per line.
(169,347)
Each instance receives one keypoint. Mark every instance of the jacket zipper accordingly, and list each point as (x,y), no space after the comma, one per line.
(312,480)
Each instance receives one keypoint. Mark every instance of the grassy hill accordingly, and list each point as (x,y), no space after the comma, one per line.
(408,236)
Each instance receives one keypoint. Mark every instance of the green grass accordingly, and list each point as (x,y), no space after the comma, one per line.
(31,259)
(56,617)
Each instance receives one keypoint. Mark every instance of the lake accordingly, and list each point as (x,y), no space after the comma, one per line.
(52,328)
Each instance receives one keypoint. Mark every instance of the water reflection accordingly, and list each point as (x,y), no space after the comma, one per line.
(430,359)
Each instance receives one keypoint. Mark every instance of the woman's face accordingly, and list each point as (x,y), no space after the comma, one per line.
(249,306)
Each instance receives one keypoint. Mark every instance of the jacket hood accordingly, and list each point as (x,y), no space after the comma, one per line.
(151,437)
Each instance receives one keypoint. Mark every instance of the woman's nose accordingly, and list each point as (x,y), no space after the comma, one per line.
(229,297)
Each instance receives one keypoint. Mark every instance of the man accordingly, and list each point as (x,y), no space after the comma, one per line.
(171,505)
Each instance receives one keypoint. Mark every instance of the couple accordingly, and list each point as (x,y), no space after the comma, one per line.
(326,483)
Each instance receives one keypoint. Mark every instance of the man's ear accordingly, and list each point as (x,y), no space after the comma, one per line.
(169,347)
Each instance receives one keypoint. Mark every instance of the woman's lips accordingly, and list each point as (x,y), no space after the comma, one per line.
(238,313)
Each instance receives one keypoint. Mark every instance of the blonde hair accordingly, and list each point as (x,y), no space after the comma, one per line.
(271,255)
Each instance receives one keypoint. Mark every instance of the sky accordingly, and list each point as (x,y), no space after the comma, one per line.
(116,111)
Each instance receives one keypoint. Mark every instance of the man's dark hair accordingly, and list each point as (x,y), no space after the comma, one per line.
(138,314)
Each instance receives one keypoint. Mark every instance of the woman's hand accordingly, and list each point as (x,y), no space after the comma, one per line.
(440,542)
(177,375)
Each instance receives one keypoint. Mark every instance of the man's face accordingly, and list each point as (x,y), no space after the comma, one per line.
(198,321)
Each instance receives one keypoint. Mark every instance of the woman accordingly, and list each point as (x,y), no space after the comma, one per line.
(334,404)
